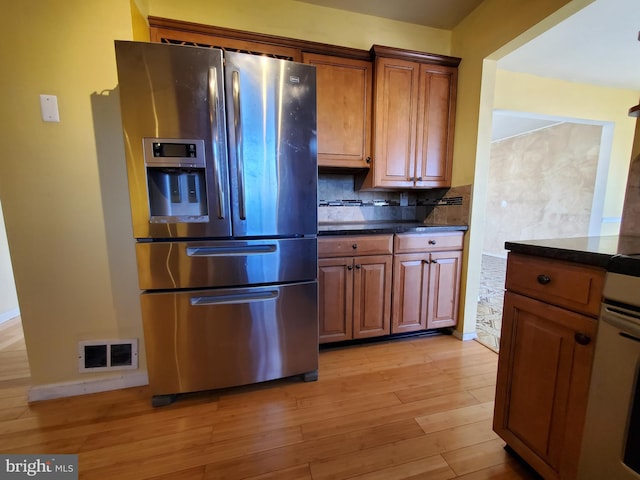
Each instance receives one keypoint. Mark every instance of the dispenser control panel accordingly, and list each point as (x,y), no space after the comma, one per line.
(171,152)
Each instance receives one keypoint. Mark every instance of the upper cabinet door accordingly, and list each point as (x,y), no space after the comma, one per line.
(414,120)
(344,88)
(435,127)
(396,100)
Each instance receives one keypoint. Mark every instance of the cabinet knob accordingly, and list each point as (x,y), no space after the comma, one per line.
(354,246)
(358,265)
(432,242)
(434,261)
(368,160)
(582,339)
(544,279)
(419,179)
(349,267)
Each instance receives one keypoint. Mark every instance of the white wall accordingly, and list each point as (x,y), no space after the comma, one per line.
(8,297)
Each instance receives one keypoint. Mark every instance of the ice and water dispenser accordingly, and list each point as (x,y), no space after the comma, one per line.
(176,180)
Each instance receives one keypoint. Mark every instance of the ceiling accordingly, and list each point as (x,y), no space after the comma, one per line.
(597,45)
(431,13)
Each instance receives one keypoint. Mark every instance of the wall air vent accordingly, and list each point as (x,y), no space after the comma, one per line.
(106,355)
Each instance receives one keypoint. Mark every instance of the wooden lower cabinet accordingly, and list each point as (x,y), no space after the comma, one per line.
(375,285)
(355,297)
(544,370)
(426,290)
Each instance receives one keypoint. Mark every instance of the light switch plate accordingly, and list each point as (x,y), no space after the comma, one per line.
(49,108)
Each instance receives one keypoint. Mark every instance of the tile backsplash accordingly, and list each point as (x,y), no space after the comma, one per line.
(339,202)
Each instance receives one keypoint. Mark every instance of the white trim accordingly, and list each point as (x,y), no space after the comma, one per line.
(82,387)
(465,336)
(9,315)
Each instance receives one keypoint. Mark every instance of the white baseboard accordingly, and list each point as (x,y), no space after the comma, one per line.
(5,316)
(465,336)
(82,387)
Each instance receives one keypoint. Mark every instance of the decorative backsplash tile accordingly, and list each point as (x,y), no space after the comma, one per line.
(340,202)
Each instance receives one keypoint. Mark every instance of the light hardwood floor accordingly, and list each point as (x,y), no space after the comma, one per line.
(408,409)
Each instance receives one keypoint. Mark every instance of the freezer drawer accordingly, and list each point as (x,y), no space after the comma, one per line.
(209,339)
(225,263)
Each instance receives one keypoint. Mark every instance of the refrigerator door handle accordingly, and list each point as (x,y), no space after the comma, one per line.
(234,298)
(237,126)
(214,102)
(228,251)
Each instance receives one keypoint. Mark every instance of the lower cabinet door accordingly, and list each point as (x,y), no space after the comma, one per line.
(371,296)
(444,289)
(542,384)
(410,292)
(335,303)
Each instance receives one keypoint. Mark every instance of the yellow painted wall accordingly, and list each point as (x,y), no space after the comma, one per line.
(139,24)
(529,93)
(63,185)
(300,20)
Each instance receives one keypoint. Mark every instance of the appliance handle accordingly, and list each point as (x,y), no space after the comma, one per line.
(214,102)
(237,126)
(235,298)
(621,319)
(228,251)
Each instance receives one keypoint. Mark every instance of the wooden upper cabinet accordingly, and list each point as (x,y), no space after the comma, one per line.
(199,39)
(435,125)
(344,88)
(396,101)
(414,120)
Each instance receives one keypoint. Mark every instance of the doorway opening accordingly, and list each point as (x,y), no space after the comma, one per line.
(547,179)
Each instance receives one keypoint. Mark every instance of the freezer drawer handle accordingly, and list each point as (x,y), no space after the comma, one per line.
(231,251)
(233,298)
(215,136)
(237,126)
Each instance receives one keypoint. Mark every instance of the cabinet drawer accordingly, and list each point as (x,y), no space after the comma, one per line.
(428,242)
(576,287)
(355,245)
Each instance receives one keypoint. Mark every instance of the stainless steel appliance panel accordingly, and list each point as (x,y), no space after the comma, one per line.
(199,264)
(174,92)
(211,339)
(271,118)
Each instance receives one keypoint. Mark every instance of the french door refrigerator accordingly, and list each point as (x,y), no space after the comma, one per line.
(222,168)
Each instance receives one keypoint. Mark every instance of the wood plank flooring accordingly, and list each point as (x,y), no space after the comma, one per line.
(409,409)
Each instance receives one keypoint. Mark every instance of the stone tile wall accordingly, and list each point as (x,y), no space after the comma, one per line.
(338,201)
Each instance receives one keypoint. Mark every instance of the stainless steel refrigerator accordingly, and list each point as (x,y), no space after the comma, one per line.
(222,168)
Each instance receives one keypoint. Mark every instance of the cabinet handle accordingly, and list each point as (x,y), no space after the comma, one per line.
(358,265)
(350,267)
(582,339)
(544,279)
(419,179)
(432,242)
(368,160)
(354,246)
(434,261)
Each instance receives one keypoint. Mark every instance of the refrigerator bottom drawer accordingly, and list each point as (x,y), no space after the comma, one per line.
(210,339)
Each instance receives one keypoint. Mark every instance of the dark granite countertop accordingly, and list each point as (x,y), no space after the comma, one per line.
(364,228)
(595,251)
